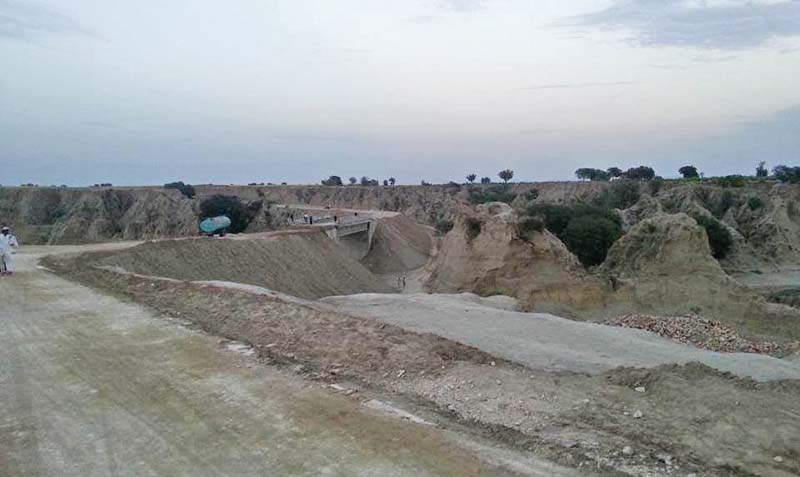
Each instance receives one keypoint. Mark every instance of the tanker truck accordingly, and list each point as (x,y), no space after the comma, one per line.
(215,226)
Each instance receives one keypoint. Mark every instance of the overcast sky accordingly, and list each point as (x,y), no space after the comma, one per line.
(149,91)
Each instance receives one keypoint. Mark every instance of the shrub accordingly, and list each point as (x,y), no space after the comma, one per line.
(185,189)
(532,195)
(731,181)
(473,227)
(332,181)
(486,180)
(719,237)
(761,170)
(232,207)
(656,185)
(443,226)
(620,195)
(755,202)
(589,237)
(556,217)
(482,195)
(527,226)
(641,173)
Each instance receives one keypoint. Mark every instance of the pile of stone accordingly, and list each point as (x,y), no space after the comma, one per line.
(697,331)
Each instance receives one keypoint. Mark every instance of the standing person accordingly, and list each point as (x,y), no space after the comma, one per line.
(404,282)
(7,242)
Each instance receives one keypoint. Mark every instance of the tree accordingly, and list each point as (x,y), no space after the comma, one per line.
(585,173)
(689,172)
(230,206)
(486,180)
(614,172)
(641,173)
(365,181)
(392,181)
(186,189)
(353,181)
(386,182)
(332,181)
(471,178)
(761,170)
(787,174)
(719,237)
(506,175)
(589,237)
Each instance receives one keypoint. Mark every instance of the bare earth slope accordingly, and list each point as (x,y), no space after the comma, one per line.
(92,386)
(546,341)
(305,263)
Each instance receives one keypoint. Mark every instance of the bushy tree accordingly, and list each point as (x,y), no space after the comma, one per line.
(614,172)
(719,237)
(641,173)
(230,206)
(787,174)
(620,195)
(506,175)
(185,189)
(332,181)
(589,237)
(689,172)
(392,181)
(353,181)
(486,180)
(761,170)
(471,178)
(587,173)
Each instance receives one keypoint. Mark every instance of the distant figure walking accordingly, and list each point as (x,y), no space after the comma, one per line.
(7,243)
(305,218)
(404,282)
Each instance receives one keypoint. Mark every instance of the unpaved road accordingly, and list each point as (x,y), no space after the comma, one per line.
(544,341)
(92,386)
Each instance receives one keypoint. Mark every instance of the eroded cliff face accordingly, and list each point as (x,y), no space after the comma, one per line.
(56,215)
(49,215)
(486,253)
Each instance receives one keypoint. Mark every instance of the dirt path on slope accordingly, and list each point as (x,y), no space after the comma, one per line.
(543,341)
(90,385)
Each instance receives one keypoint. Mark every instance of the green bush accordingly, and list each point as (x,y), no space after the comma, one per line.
(587,230)
(185,189)
(731,181)
(589,237)
(498,193)
(527,226)
(240,214)
(443,226)
(620,195)
(755,202)
(719,237)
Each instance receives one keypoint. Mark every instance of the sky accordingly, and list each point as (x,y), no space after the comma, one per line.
(148,91)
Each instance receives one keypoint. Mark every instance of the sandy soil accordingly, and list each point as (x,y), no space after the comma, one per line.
(305,264)
(92,386)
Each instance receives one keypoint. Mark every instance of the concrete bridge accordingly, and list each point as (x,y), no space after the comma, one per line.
(353,233)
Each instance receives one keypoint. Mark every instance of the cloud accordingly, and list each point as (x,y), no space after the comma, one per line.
(461,6)
(704,24)
(28,21)
(580,85)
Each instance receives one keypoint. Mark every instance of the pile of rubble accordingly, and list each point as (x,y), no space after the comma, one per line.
(707,334)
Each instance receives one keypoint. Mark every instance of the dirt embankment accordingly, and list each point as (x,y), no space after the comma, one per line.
(304,264)
(670,420)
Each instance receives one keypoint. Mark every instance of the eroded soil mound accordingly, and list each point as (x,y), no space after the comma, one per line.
(304,264)
(486,253)
(664,264)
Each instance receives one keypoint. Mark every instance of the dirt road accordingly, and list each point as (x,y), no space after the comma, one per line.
(90,385)
(548,342)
